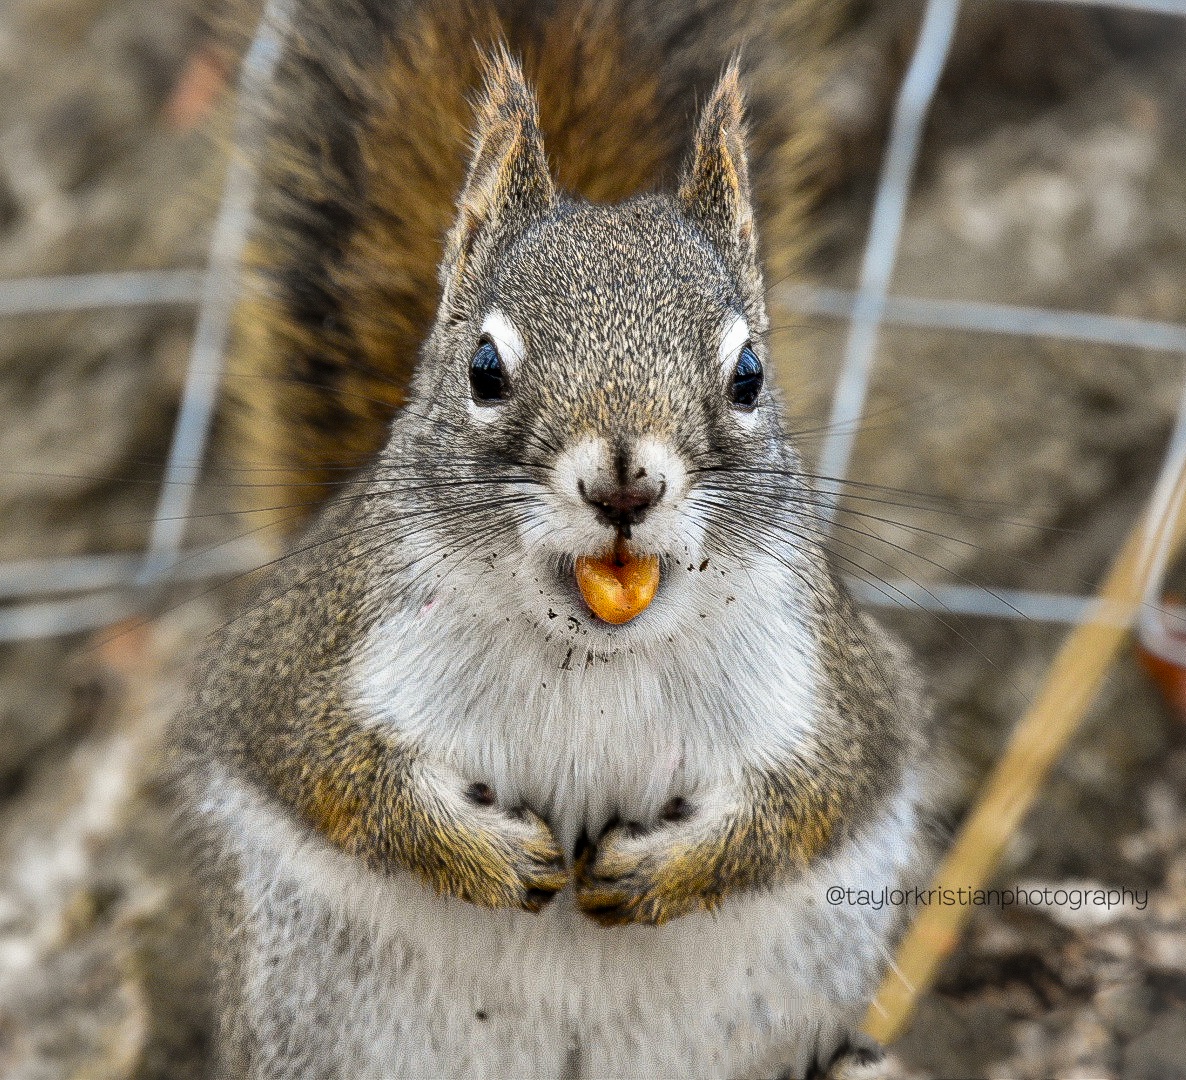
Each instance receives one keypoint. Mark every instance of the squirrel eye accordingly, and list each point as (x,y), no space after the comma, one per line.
(485,374)
(747,378)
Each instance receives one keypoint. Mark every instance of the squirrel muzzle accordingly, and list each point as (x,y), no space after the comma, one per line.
(621,489)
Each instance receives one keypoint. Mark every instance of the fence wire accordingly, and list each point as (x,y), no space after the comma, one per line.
(111,587)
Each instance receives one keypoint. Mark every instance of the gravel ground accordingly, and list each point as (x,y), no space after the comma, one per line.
(1053,175)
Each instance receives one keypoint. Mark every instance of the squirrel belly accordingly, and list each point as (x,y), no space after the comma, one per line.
(449,819)
(344,975)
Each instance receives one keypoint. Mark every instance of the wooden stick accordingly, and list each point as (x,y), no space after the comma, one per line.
(1078,671)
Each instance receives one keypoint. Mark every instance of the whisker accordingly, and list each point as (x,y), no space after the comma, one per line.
(818,539)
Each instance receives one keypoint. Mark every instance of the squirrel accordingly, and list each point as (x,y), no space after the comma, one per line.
(546,747)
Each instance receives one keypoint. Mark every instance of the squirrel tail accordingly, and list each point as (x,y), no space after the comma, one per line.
(364,153)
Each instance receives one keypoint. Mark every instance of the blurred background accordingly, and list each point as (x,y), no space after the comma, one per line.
(1051,175)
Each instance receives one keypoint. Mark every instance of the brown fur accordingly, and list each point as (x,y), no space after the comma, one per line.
(315,389)
(786,820)
(611,127)
(364,795)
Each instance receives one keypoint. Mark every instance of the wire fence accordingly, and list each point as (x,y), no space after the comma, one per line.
(97,590)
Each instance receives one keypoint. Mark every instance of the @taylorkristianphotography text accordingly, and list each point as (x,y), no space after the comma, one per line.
(1075,898)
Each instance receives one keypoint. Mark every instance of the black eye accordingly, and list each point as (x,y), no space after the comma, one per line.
(747,378)
(485,374)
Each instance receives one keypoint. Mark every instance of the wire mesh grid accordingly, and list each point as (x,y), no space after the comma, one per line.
(97,590)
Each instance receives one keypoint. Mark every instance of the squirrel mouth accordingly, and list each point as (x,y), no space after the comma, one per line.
(619,587)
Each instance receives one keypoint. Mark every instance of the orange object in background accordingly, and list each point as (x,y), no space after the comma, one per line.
(1166,665)
(197,90)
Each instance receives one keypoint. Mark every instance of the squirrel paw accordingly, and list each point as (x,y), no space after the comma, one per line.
(638,875)
(501,858)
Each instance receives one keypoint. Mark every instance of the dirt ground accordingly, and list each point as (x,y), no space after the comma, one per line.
(1054,174)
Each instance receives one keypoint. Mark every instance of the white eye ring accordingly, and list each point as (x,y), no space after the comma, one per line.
(732,341)
(506,338)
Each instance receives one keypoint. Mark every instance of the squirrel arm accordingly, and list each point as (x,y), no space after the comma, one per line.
(378,799)
(775,821)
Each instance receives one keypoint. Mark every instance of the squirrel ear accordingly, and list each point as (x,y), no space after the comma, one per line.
(508,183)
(714,189)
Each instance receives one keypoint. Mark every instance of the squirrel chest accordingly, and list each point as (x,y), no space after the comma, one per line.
(582,736)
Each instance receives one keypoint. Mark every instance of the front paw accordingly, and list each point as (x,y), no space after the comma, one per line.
(650,876)
(497,857)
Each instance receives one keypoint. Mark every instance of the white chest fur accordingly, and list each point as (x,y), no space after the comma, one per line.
(580,736)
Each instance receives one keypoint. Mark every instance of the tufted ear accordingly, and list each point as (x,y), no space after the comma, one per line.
(508,184)
(714,190)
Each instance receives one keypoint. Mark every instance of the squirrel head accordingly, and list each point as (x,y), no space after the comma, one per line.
(593,386)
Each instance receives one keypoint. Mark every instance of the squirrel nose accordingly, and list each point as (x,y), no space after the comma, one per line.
(622,506)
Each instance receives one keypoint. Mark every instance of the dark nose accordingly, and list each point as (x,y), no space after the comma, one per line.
(621,507)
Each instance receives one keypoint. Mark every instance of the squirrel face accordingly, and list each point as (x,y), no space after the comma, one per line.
(618,333)
(595,379)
